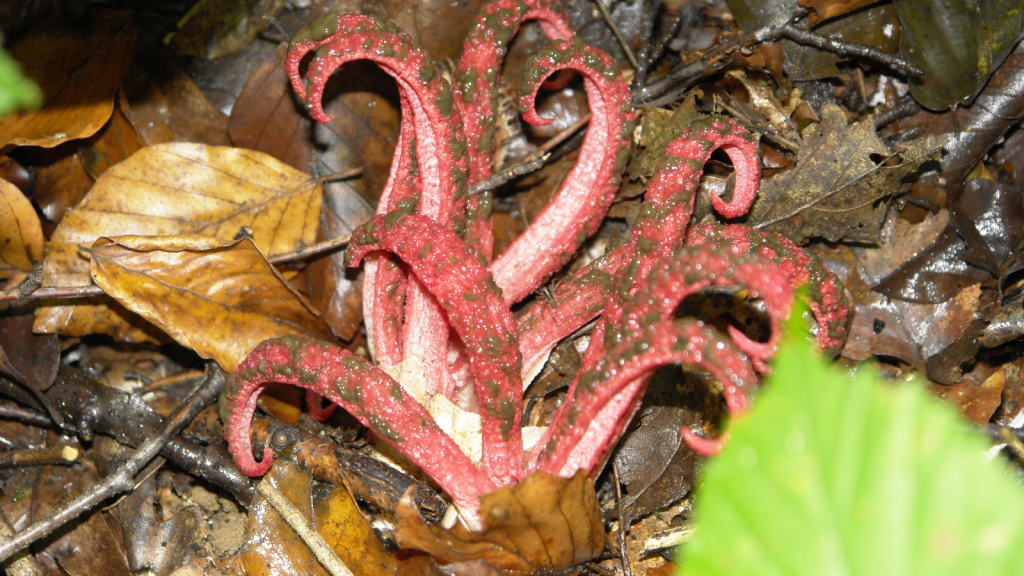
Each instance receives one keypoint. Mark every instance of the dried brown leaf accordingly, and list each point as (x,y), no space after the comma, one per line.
(21,236)
(841,179)
(167,106)
(220,299)
(334,288)
(265,117)
(79,70)
(215,28)
(32,359)
(173,189)
(272,547)
(65,174)
(542,524)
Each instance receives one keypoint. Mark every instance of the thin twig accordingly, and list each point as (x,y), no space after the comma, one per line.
(623,523)
(23,563)
(315,249)
(531,164)
(615,30)
(121,480)
(905,107)
(844,48)
(298,522)
(58,455)
(54,292)
(667,89)
(563,135)
(24,415)
(343,175)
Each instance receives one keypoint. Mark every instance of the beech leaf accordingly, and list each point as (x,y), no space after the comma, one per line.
(543,524)
(78,72)
(272,547)
(172,189)
(217,298)
(842,176)
(21,235)
(832,475)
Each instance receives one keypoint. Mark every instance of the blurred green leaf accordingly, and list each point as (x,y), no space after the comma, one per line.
(16,91)
(829,475)
(957,44)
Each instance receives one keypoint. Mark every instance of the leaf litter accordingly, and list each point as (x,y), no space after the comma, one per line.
(932,269)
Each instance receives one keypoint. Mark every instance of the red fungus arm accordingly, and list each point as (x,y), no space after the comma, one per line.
(361,389)
(464,288)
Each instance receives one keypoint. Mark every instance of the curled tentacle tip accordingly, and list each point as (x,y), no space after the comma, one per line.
(704,446)
(252,468)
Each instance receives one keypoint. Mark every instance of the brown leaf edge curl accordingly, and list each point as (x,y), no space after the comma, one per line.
(542,524)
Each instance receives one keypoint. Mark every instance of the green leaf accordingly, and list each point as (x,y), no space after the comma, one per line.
(957,44)
(832,475)
(16,91)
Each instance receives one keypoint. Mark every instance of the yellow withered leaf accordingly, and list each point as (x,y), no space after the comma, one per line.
(21,236)
(79,69)
(176,189)
(220,299)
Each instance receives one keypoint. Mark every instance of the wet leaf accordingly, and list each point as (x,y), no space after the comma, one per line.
(265,116)
(1007,323)
(177,189)
(21,236)
(825,465)
(153,544)
(972,131)
(839,185)
(32,359)
(957,44)
(65,174)
(976,395)
(542,524)
(272,547)
(78,70)
(655,466)
(220,299)
(215,28)
(989,216)
(877,27)
(165,105)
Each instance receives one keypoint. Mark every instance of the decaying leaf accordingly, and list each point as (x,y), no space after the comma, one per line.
(266,118)
(172,189)
(957,44)
(166,105)
(877,27)
(542,524)
(64,175)
(822,10)
(841,179)
(215,28)
(79,71)
(21,236)
(334,288)
(654,465)
(272,547)
(153,544)
(220,299)
(32,359)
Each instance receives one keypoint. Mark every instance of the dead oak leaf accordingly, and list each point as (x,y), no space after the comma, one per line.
(79,71)
(21,235)
(842,175)
(542,524)
(220,299)
(174,189)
